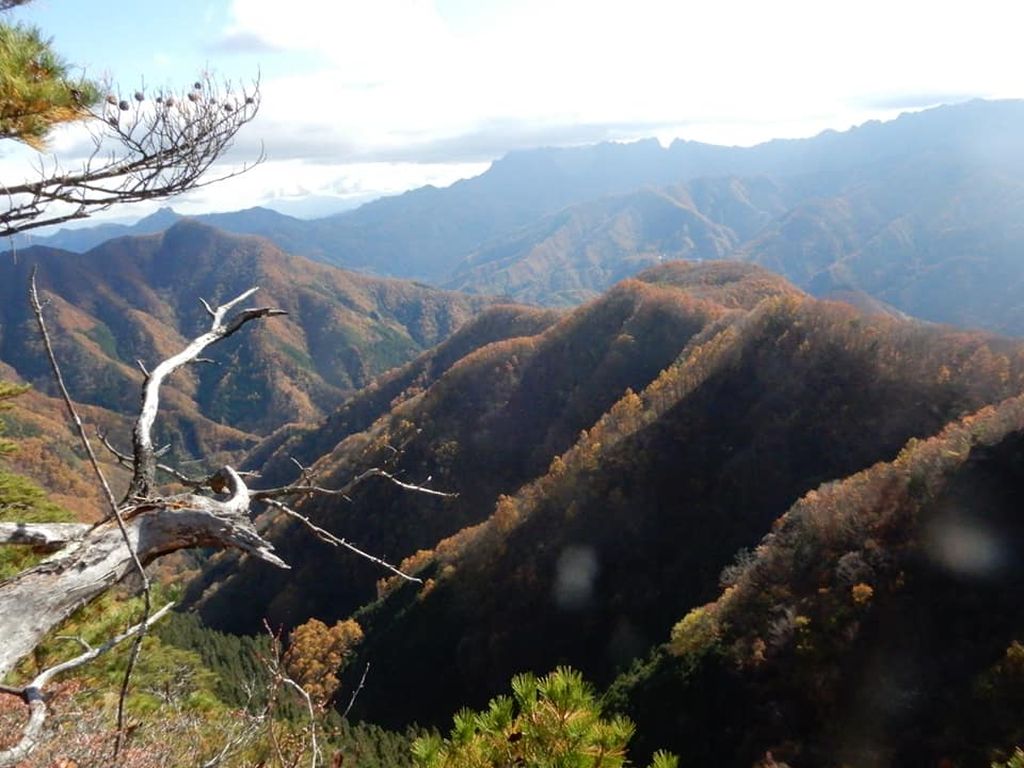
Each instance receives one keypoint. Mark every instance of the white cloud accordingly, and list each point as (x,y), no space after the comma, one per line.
(404,71)
(458,80)
(363,41)
(388,94)
(294,178)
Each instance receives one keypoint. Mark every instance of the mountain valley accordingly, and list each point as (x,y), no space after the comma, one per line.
(599,509)
(138,298)
(734,432)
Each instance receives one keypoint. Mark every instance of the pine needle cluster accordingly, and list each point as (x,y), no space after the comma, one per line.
(36,91)
(551,722)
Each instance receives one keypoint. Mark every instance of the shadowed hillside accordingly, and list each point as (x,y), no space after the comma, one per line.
(878,623)
(274,457)
(592,562)
(480,425)
(608,469)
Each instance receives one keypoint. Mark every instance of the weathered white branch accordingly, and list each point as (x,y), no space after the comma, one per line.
(275,667)
(129,463)
(355,693)
(145,465)
(315,757)
(89,560)
(42,537)
(251,724)
(38,599)
(32,694)
(337,541)
(299,489)
(271,496)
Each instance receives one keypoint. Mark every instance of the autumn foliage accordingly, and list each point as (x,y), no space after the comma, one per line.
(317,654)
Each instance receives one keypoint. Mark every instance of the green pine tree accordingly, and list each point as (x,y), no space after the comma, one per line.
(37,92)
(1016,760)
(550,722)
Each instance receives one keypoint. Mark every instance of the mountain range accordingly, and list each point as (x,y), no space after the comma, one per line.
(610,465)
(484,414)
(920,213)
(136,300)
(769,526)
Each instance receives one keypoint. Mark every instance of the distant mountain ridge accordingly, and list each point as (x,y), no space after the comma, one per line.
(252,221)
(921,213)
(569,257)
(137,299)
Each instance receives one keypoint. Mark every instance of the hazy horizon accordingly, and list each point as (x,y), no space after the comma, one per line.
(362,100)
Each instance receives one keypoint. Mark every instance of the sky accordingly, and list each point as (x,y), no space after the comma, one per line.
(362,98)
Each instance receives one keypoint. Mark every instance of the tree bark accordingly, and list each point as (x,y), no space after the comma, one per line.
(40,598)
(42,537)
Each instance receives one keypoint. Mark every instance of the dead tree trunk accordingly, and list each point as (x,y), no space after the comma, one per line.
(143,527)
(40,598)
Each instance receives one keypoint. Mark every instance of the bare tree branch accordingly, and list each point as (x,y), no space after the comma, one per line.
(88,560)
(32,694)
(355,693)
(147,148)
(278,677)
(46,594)
(239,738)
(37,309)
(330,538)
(144,460)
(315,757)
(115,510)
(345,490)
(42,537)
(126,461)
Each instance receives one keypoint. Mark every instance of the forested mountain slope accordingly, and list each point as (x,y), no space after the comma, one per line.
(46,449)
(591,562)
(274,457)
(137,299)
(586,547)
(480,425)
(878,623)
